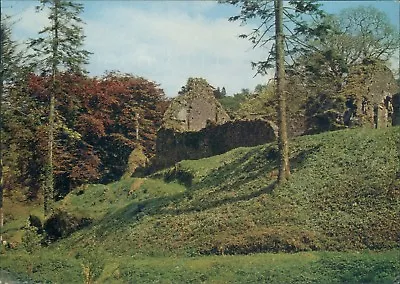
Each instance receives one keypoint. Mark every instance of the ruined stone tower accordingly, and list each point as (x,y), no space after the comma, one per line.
(194,108)
(369,90)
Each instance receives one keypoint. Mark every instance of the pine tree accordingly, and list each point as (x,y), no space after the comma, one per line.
(270,14)
(284,168)
(58,49)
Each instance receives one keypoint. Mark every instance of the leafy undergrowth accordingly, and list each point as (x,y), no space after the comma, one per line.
(344,195)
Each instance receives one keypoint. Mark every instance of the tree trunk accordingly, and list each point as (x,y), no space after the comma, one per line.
(137,126)
(1,197)
(49,171)
(284,167)
(1,146)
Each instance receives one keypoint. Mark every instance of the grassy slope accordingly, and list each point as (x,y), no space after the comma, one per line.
(344,195)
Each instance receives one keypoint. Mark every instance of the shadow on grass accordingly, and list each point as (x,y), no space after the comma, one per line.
(255,163)
(244,169)
(200,206)
(135,211)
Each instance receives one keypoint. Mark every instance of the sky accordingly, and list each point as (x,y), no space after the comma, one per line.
(170,41)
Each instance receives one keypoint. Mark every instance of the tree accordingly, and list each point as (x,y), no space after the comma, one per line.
(271,14)
(113,109)
(59,48)
(284,167)
(261,104)
(95,127)
(6,49)
(76,161)
(9,62)
(361,33)
(232,104)
(349,38)
(355,36)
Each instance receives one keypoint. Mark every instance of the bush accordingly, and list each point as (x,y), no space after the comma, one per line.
(31,240)
(35,221)
(62,224)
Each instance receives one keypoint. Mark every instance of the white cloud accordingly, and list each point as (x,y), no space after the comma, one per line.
(162,41)
(171,46)
(28,22)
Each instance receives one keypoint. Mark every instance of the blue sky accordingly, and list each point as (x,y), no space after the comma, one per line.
(169,41)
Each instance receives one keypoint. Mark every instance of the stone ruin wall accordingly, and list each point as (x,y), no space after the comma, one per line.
(375,97)
(195,106)
(195,114)
(196,125)
(396,110)
(172,146)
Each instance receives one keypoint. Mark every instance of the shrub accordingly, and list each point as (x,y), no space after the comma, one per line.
(62,224)
(31,240)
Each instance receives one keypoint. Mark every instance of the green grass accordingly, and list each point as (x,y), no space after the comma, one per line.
(343,195)
(96,201)
(16,217)
(306,267)
(342,201)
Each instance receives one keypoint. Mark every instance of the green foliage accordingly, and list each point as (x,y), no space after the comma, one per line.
(325,112)
(232,103)
(59,45)
(21,136)
(339,45)
(43,264)
(361,33)
(31,240)
(137,161)
(96,201)
(11,59)
(297,12)
(262,103)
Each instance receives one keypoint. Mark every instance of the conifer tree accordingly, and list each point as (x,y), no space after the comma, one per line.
(58,49)
(287,40)
(284,167)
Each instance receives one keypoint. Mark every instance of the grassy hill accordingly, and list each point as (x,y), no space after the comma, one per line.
(344,195)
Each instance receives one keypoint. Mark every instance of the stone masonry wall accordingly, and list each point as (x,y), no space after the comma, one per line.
(172,147)
(195,106)
(396,110)
(371,87)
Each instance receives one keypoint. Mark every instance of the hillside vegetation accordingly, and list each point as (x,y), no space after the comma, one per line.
(344,195)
